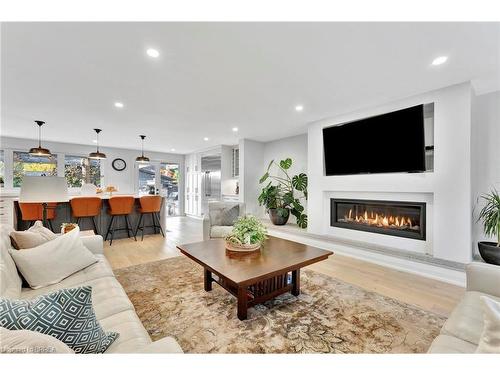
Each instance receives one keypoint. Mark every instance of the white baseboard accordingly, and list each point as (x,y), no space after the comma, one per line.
(445,274)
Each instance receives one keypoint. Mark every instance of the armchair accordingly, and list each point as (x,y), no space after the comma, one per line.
(211,225)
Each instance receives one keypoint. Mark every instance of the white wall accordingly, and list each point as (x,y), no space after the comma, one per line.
(291,147)
(449,184)
(126,180)
(485,154)
(254,159)
(251,161)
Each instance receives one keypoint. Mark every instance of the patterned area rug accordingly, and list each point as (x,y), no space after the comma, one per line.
(329,316)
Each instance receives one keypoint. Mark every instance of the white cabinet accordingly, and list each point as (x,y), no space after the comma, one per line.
(192,188)
(235,162)
(7,211)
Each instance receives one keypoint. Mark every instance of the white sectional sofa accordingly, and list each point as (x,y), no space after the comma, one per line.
(114,310)
(463,329)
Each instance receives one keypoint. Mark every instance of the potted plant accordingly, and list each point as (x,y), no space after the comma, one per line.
(490,216)
(281,196)
(248,234)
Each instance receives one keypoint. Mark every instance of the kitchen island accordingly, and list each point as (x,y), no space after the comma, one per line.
(63,215)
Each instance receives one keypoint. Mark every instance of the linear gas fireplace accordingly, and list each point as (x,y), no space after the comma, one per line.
(402,219)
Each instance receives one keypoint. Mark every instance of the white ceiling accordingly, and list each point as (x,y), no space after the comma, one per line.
(211,77)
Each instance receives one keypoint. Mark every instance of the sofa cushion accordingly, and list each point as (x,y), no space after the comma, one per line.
(133,336)
(108,296)
(95,271)
(10,282)
(66,314)
(449,344)
(466,321)
(54,260)
(228,216)
(219,231)
(31,342)
(490,338)
(33,237)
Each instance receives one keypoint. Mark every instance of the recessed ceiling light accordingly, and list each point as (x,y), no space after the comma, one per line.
(173,149)
(205,139)
(299,108)
(235,129)
(94,140)
(153,52)
(118,105)
(439,60)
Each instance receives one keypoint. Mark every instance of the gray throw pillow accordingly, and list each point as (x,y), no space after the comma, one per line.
(228,216)
(65,314)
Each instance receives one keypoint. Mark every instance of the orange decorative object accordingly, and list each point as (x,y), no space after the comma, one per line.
(66,227)
(110,189)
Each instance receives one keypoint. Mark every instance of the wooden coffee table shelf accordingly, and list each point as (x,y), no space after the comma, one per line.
(257,277)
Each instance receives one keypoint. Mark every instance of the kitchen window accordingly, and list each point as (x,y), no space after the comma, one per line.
(80,170)
(25,164)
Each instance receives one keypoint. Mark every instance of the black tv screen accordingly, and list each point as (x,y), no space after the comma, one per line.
(392,142)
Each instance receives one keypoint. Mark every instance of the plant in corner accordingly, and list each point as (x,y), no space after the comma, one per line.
(490,216)
(248,234)
(283,197)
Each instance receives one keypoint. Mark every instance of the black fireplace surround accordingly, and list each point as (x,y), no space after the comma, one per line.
(395,218)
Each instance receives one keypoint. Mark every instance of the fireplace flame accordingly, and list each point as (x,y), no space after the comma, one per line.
(380,220)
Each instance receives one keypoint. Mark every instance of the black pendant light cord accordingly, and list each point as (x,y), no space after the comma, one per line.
(40,123)
(142,144)
(97,137)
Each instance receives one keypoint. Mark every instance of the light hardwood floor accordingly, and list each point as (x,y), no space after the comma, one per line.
(426,293)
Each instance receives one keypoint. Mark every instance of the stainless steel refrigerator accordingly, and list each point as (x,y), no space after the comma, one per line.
(211,181)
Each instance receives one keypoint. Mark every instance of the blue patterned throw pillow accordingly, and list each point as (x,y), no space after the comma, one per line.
(66,314)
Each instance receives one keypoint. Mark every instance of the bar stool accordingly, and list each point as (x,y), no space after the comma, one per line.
(150,205)
(34,211)
(86,208)
(120,206)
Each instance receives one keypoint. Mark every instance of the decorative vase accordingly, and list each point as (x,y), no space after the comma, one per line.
(277,219)
(244,248)
(66,227)
(490,252)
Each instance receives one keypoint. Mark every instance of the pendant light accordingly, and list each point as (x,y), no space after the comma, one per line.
(97,154)
(142,158)
(39,151)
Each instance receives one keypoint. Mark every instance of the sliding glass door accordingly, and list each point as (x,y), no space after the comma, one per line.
(169,185)
(160,178)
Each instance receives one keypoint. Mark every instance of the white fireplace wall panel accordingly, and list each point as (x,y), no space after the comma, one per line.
(399,243)
(449,184)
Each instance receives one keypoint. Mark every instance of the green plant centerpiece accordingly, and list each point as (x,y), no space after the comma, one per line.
(248,234)
(283,193)
(490,216)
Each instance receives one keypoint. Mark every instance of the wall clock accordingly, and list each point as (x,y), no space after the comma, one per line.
(119,164)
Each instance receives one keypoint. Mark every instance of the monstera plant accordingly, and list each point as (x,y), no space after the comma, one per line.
(282,193)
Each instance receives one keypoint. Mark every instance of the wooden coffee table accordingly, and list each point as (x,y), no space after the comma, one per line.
(254,277)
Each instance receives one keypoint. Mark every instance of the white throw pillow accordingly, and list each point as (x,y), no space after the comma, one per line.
(34,236)
(490,338)
(30,342)
(42,231)
(53,261)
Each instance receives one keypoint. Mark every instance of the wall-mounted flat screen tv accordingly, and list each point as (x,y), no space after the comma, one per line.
(388,143)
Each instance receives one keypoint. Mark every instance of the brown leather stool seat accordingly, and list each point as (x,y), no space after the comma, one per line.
(86,208)
(34,211)
(150,205)
(120,206)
